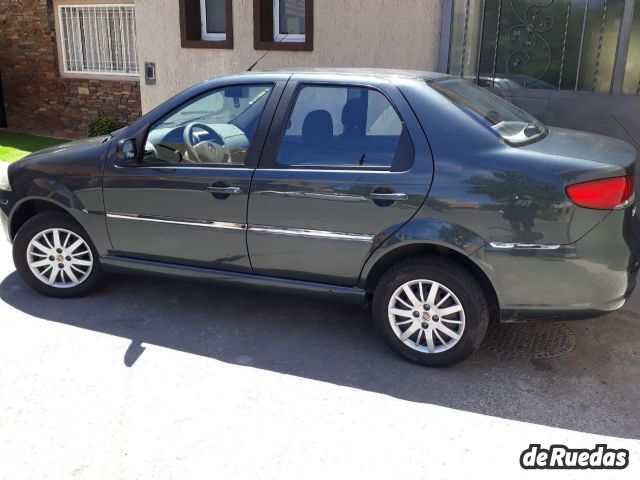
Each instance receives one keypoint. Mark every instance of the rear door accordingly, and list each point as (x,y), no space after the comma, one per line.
(346,163)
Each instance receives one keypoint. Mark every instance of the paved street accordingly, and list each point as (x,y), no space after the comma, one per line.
(167,379)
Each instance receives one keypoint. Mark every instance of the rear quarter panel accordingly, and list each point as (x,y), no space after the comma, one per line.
(498,192)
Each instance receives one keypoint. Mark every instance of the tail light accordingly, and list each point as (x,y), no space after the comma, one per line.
(603,194)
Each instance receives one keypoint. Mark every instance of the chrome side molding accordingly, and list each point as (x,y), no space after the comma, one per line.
(294,232)
(174,221)
(523,246)
(303,232)
(338,197)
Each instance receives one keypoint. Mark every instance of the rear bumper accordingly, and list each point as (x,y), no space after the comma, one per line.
(590,277)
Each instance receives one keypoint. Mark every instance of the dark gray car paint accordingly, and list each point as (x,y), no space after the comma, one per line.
(481,191)
(593,275)
(68,176)
(480,182)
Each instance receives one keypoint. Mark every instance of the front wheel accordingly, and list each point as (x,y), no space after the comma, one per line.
(431,310)
(54,255)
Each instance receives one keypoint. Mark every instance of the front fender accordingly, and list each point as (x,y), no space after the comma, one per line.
(84,205)
(52,191)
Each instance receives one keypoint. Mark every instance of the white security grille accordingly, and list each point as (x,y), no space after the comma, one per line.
(99,39)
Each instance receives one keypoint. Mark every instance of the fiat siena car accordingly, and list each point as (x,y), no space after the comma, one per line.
(429,198)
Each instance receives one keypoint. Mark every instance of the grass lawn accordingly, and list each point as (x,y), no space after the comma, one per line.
(14,146)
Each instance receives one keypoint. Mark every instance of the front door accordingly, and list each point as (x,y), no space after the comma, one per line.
(186,199)
(347,165)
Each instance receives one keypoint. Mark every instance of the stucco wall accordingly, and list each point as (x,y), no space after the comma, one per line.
(348,33)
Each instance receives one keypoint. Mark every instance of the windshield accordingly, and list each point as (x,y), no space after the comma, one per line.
(505,120)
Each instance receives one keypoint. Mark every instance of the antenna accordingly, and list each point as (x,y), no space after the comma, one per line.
(258,61)
(265,54)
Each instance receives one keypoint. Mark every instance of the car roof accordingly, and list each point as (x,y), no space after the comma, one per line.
(377,72)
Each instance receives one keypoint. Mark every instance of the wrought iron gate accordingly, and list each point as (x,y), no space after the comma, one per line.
(573,63)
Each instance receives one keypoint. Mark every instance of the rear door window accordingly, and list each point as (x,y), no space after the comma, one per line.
(342,126)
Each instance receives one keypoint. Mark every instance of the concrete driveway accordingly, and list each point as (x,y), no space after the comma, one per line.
(159,379)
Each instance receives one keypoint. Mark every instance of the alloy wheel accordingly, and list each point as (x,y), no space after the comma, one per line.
(426,316)
(59,258)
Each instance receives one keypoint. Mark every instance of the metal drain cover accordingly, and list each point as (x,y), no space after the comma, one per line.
(529,340)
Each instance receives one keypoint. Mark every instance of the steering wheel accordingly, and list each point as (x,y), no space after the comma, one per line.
(207,151)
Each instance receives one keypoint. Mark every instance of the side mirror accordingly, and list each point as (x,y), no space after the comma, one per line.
(126,152)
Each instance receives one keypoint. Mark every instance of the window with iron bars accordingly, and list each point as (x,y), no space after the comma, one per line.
(99,39)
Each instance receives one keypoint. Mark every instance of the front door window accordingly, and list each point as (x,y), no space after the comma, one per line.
(216,128)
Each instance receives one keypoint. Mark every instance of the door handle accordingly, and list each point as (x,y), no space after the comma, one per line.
(223,190)
(389,197)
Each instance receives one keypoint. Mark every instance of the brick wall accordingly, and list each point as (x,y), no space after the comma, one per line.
(37,99)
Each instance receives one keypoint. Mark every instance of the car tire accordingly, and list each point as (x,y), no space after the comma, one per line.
(456,317)
(55,256)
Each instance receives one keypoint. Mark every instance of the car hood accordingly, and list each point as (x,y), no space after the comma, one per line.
(70,148)
(587,146)
(80,158)
(80,152)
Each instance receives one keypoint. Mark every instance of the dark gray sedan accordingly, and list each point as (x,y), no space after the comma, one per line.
(440,204)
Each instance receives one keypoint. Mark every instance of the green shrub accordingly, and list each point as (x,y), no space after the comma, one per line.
(102,126)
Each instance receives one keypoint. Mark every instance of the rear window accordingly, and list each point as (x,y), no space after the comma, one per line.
(507,121)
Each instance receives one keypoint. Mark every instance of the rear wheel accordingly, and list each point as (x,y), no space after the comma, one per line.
(431,310)
(55,256)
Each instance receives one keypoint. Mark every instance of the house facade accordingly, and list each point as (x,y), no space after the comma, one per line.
(572,63)
(64,63)
(193,40)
